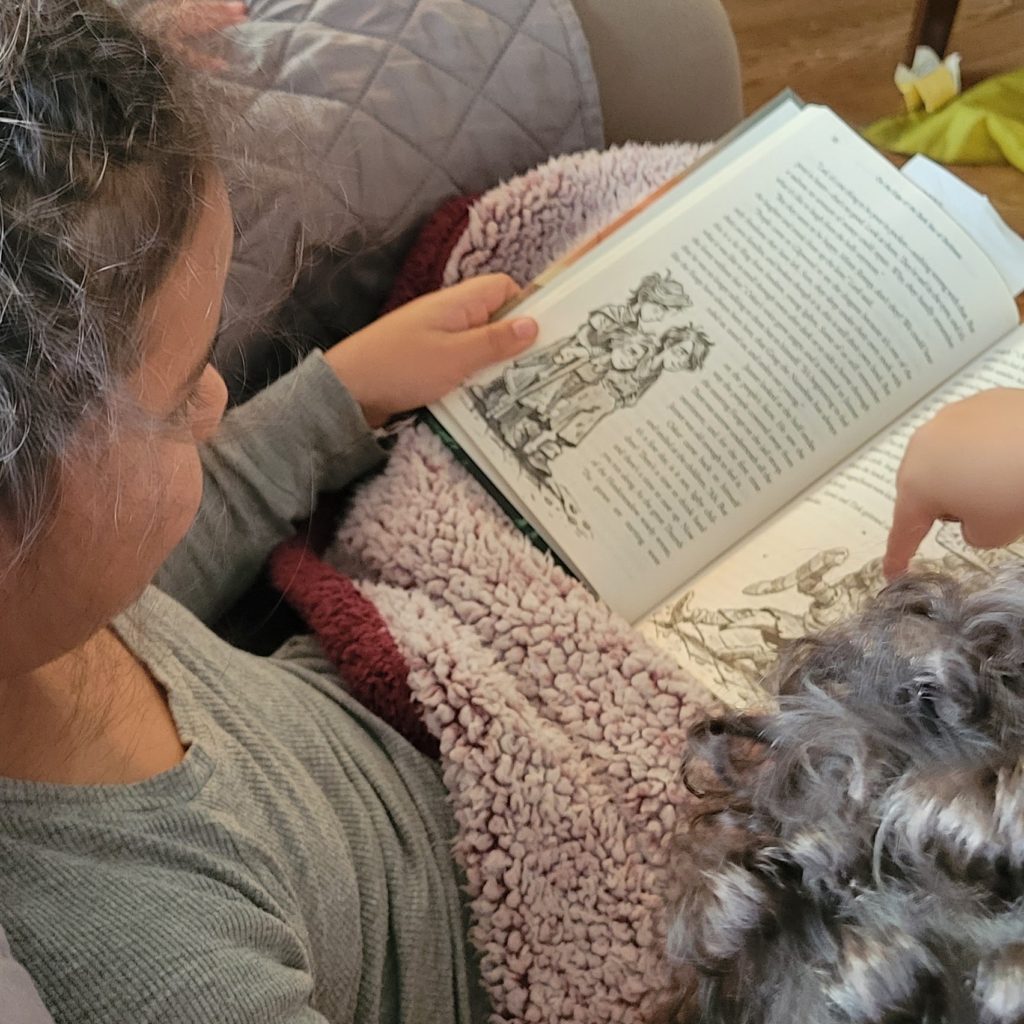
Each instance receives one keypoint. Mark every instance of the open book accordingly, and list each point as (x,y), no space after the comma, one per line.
(708,429)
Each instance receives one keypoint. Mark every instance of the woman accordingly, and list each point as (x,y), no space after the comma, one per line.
(187,832)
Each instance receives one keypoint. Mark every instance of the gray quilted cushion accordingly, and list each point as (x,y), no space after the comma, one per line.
(356,119)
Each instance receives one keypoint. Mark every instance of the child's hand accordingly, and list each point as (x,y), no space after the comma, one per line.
(420,352)
(966,464)
(177,22)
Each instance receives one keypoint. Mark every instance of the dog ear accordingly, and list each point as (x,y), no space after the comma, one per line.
(725,756)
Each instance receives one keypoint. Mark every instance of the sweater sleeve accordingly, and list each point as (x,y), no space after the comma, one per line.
(302,435)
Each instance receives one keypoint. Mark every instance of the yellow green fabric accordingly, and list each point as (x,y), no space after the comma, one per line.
(985,125)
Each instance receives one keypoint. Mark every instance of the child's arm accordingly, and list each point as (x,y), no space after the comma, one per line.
(309,432)
(966,464)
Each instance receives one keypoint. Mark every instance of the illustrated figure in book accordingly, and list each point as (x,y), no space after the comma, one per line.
(552,399)
(741,645)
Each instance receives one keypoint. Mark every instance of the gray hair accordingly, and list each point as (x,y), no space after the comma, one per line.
(858,854)
(102,163)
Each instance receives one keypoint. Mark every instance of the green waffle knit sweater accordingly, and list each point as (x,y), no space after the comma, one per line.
(295,867)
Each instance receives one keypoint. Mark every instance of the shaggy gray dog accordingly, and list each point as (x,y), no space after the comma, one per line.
(858,856)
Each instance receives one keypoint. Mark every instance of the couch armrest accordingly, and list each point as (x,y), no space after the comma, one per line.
(667,70)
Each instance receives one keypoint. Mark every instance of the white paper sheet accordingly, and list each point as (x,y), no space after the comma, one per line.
(975,214)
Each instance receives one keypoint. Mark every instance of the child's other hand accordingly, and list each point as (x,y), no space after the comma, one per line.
(176,23)
(966,464)
(423,350)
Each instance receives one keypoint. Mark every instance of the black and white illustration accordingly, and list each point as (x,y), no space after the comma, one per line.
(551,400)
(733,648)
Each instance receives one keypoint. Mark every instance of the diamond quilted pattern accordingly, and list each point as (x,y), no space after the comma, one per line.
(318,62)
(464,41)
(491,135)
(436,107)
(539,63)
(383,20)
(510,11)
(362,116)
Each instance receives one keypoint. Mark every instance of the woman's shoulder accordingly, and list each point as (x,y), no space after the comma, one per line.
(168,899)
(156,965)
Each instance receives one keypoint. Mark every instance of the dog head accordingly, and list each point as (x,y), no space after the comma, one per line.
(857,855)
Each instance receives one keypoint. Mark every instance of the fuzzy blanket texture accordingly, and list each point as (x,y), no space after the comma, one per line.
(559,728)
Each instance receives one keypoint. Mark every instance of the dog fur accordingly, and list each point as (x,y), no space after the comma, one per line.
(858,854)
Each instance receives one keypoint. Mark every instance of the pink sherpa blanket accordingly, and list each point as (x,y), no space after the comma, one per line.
(560,729)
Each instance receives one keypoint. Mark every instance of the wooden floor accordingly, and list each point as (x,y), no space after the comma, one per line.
(844,52)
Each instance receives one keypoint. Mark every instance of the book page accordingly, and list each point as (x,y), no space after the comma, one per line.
(697,378)
(820,559)
(752,131)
